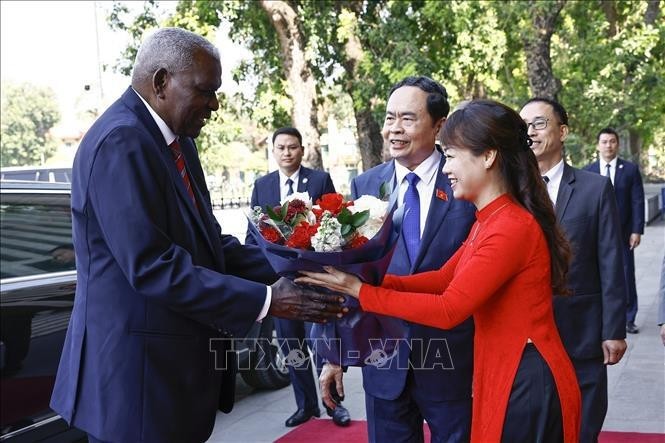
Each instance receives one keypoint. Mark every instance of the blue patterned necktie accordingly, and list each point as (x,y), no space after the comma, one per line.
(411,224)
(289,183)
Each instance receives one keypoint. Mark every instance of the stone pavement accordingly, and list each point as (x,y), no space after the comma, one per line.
(636,384)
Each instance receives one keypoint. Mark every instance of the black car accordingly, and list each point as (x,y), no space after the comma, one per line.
(37,284)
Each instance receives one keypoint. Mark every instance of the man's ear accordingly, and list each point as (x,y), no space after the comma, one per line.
(438,125)
(563,130)
(160,80)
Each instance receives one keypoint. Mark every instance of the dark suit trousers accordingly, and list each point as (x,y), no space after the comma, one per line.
(533,413)
(631,289)
(294,340)
(401,420)
(592,378)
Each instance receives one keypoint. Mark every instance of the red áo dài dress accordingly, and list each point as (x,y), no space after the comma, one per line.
(501,276)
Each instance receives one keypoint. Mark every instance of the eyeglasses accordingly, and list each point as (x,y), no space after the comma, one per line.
(539,123)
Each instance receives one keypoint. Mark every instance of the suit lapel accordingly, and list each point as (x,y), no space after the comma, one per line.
(566,188)
(303,179)
(595,167)
(618,173)
(187,150)
(274,189)
(438,209)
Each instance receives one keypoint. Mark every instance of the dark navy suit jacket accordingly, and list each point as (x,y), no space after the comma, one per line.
(445,357)
(629,192)
(596,310)
(157,282)
(266,189)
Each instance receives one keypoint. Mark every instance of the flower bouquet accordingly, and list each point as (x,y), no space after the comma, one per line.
(357,237)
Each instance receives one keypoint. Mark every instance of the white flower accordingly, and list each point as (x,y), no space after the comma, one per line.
(302,196)
(328,237)
(377,208)
(377,213)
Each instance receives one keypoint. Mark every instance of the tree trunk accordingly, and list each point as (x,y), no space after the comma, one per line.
(611,16)
(652,13)
(302,87)
(537,47)
(370,140)
(635,146)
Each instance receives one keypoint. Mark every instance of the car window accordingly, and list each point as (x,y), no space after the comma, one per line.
(35,236)
(19,175)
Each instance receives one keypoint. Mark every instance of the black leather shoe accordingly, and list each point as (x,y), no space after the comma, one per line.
(631,328)
(301,416)
(340,415)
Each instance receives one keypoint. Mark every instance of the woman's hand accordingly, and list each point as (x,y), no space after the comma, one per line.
(332,279)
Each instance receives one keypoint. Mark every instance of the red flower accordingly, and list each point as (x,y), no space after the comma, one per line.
(271,234)
(295,207)
(356,241)
(331,202)
(301,238)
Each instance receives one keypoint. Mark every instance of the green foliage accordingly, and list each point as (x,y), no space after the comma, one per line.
(475,48)
(28,114)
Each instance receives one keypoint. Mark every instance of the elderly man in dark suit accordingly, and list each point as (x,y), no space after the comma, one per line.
(430,378)
(629,191)
(160,291)
(591,320)
(270,190)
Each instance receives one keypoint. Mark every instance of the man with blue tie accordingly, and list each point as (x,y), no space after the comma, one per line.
(270,190)
(160,292)
(430,377)
(629,192)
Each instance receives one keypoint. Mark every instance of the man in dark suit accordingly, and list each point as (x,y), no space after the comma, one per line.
(629,191)
(591,320)
(430,377)
(270,190)
(160,291)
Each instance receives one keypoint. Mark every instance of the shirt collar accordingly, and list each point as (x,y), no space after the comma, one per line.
(613,163)
(555,173)
(167,133)
(426,170)
(283,177)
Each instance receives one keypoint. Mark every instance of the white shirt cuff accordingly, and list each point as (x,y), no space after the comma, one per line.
(266,305)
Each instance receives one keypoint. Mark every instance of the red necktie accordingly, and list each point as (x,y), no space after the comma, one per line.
(180,164)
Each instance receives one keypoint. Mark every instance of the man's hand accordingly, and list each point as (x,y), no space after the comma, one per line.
(295,302)
(613,350)
(331,374)
(634,240)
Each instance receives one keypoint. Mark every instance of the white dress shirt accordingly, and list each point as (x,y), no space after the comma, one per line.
(426,171)
(284,187)
(169,137)
(613,168)
(554,176)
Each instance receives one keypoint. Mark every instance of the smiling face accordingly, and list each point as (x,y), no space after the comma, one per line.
(608,147)
(408,129)
(548,140)
(187,98)
(468,174)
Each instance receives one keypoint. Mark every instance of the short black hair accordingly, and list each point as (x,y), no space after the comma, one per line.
(557,107)
(288,131)
(607,130)
(437,98)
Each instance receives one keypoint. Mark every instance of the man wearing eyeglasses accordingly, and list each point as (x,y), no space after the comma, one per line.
(591,320)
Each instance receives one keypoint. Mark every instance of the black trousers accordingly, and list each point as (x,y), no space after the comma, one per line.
(534,410)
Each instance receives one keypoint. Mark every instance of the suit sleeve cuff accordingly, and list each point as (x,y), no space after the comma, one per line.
(266,305)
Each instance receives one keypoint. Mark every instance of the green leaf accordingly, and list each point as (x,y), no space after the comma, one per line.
(271,213)
(346,230)
(285,210)
(359,218)
(345,217)
(383,191)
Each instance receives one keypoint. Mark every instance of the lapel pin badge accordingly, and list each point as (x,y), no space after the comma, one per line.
(440,194)
(304,180)
(620,166)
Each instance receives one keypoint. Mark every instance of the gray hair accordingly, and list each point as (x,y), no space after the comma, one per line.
(171,49)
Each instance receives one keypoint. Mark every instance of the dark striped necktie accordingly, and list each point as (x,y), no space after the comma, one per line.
(180,164)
